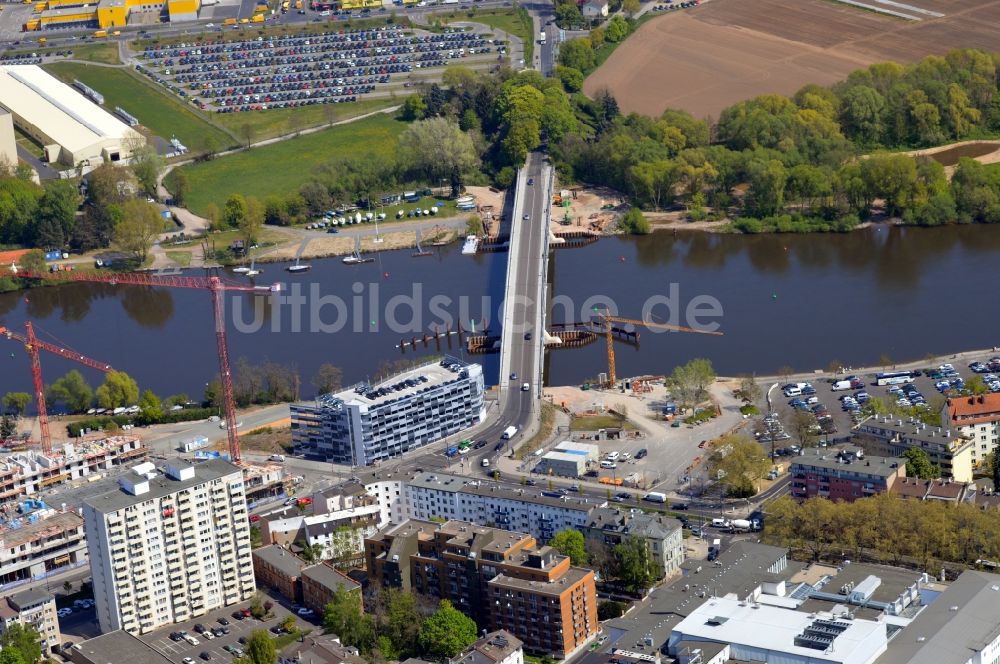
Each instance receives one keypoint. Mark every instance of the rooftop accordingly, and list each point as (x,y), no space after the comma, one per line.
(329,577)
(875,466)
(29,598)
(54,524)
(961,621)
(557,587)
(160,486)
(281,559)
(325,649)
(980,409)
(116,647)
(946,490)
(634,522)
(493,647)
(56,109)
(455,483)
(913,432)
(402,386)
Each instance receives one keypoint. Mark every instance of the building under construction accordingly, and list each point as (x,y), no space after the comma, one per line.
(36,540)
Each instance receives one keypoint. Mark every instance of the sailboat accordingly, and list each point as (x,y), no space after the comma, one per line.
(356,259)
(242,269)
(299,267)
(253,271)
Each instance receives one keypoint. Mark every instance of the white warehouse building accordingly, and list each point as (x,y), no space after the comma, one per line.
(366,424)
(71,129)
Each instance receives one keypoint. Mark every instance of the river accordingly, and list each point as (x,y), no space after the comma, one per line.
(785,300)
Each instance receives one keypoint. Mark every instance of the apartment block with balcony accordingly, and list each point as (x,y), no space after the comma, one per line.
(663,535)
(843,475)
(366,424)
(888,436)
(39,543)
(501,579)
(169,544)
(976,418)
(33,608)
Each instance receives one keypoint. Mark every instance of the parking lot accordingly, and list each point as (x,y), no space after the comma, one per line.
(287,72)
(839,402)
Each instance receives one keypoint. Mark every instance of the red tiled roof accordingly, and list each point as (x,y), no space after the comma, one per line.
(974,410)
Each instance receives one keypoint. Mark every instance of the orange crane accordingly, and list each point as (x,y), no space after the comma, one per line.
(608,319)
(32,344)
(213,284)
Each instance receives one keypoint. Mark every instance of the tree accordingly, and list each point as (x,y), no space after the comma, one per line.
(289,623)
(327,379)
(11,656)
(252,222)
(147,164)
(248,132)
(608,609)
(616,29)
(447,631)
(259,649)
(414,108)
(690,382)
(150,406)
(73,391)
(438,149)
(570,543)
(234,211)
(118,389)
(344,617)
(578,54)
(138,228)
(631,7)
(636,567)
(312,553)
(918,464)
(572,79)
(16,402)
(399,622)
(181,186)
(23,640)
(57,214)
(803,426)
(739,463)
(749,390)
(8,427)
(635,222)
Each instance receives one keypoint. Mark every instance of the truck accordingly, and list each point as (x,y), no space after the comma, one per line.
(741,525)
(100,34)
(257,18)
(655,497)
(508,433)
(541,38)
(841,385)
(229,21)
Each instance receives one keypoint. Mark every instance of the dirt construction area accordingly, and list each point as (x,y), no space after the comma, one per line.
(709,57)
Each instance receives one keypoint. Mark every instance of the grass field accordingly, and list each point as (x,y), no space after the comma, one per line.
(282,167)
(161,113)
(106,52)
(595,422)
(276,122)
(182,258)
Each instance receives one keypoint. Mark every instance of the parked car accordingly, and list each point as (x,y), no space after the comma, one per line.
(641,454)
(304,611)
(679,506)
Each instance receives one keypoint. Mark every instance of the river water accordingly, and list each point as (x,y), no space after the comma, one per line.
(795,300)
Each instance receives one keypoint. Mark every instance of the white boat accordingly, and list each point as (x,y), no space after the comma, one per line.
(351,260)
(471,244)
(253,271)
(299,267)
(243,269)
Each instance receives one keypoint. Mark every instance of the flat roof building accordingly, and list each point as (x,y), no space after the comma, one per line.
(366,424)
(892,437)
(169,544)
(42,541)
(843,475)
(71,129)
(115,647)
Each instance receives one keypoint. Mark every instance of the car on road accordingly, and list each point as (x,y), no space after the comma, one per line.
(479,445)
(187,660)
(527,336)
(574,487)
(525,387)
(531,181)
(530,482)
(679,506)
(526,217)
(513,376)
(498,446)
(622,497)
(306,612)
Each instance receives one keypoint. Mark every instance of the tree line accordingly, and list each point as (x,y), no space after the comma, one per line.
(887,529)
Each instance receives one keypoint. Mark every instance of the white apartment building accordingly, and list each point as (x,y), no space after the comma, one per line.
(663,535)
(366,424)
(540,513)
(976,418)
(33,608)
(169,544)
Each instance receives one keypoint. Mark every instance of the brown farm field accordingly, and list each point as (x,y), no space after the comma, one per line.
(709,57)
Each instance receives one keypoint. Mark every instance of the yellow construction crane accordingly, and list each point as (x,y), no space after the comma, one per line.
(608,319)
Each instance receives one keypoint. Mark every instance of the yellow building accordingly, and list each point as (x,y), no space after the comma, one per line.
(106,13)
(359,4)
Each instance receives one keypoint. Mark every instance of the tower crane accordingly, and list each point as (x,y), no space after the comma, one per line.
(32,344)
(215,285)
(608,319)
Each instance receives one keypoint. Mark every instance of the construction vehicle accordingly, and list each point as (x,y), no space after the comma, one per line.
(33,345)
(215,285)
(608,319)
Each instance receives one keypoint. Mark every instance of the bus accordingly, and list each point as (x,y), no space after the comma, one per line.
(894,378)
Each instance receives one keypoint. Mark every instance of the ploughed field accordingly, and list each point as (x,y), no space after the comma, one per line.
(709,57)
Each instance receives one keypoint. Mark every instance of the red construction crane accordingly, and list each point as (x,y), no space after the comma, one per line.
(213,284)
(32,344)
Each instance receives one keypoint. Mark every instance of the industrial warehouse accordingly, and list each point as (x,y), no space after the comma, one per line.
(71,129)
(109,13)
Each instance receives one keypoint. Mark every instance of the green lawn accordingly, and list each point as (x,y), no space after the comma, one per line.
(182,258)
(275,122)
(595,422)
(162,113)
(282,167)
(106,52)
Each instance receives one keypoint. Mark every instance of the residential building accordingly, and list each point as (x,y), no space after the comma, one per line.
(115,647)
(976,418)
(72,129)
(945,490)
(365,424)
(760,632)
(37,609)
(843,475)
(320,583)
(663,535)
(170,543)
(280,569)
(502,580)
(595,9)
(530,510)
(28,473)
(961,626)
(500,647)
(326,649)
(39,543)
(892,437)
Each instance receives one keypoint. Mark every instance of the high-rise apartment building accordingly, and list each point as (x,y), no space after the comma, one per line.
(169,544)
(368,423)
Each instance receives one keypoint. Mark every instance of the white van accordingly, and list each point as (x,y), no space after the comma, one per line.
(655,497)
(608,464)
(792,391)
(276,457)
(612,456)
(720,523)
